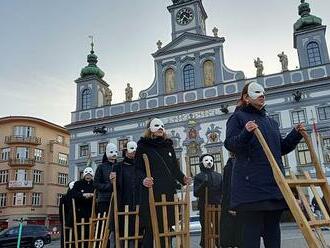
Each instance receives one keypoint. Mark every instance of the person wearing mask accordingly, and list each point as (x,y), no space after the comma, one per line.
(165,172)
(125,177)
(102,179)
(212,181)
(83,192)
(254,192)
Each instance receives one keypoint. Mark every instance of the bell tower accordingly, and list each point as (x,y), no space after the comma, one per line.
(187,16)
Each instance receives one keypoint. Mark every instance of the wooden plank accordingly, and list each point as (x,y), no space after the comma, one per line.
(288,195)
(165,223)
(75,223)
(97,229)
(126,225)
(188,202)
(152,206)
(177,220)
(306,182)
(136,231)
(115,206)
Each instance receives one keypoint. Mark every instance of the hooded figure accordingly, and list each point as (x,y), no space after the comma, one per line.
(66,204)
(165,173)
(125,175)
(211,180)
(83,192)
(102,180)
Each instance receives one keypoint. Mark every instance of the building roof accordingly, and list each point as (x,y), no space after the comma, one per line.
(35,120)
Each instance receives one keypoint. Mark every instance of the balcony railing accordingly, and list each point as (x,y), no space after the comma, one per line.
(20,184)
(23,140)
(21,161)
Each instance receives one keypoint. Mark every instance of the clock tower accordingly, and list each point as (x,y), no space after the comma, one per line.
(187,16)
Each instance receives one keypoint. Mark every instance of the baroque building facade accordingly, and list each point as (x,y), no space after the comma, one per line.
(33,170)
(194,93)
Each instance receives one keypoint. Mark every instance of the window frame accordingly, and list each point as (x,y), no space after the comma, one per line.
(313,54)
(299,120)
(327,115)
(86,99)
(189,79)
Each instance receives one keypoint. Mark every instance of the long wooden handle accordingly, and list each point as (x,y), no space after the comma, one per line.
(115,206)
(152,205)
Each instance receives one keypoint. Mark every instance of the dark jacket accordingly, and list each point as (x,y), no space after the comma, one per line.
(230,227)
(83,205)
(102,181)
(252,178)
(125,178)
(164,170)
(213,181)
(66,203)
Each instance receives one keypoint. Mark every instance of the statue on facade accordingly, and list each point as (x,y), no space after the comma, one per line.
(260,67)
(108,96)
(129,93)
(169,81)
(284,61)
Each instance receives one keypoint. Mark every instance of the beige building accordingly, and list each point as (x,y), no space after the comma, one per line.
(33,170)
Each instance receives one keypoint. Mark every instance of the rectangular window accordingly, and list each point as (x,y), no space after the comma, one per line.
(38,154)
(19,199)
(194,165)
(218,162)
(63,159)
(23,131)
(122,144)
(304,156)
(4,176)
(326,149)
(324,113)
(37,176)
(58,199)
(62,178)
(21,175)
(36,199)
(285,161)
(5,152)
(276,117)
(3,199)
(102,147)
(84,150)
(22,153)
(298,117)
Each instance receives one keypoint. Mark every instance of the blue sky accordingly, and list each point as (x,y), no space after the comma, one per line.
(44,45)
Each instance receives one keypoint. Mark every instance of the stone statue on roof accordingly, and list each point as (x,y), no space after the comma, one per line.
(129,93)
(284,61)
(260,67)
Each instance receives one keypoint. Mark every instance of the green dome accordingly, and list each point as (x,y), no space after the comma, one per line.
(307,20)
(91,68)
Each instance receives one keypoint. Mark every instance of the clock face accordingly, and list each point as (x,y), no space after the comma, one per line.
(184,16)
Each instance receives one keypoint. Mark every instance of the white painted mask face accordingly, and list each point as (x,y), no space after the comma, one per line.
(88,170)
(131,147)
(111,151)
(255,90)
(156,124)
(71,184)
(207,162)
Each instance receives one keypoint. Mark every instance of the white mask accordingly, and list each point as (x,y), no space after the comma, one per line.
(156,124)
(255,90)
(207,161)
(88,170)
(111,151)
(71,184)
(131,146)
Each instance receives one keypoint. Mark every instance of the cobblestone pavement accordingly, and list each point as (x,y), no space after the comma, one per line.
(291,238)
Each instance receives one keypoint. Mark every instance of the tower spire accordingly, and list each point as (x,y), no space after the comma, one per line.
(306,20)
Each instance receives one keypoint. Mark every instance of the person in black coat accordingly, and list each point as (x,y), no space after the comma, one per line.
(211,180)
(66,204)
(125,175)
(230,231)
(255,193)
(83,192)
(165,173)
(102,179)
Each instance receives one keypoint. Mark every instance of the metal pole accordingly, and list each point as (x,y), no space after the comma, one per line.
(20,233)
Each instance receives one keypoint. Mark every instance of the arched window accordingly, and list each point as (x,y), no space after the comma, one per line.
(86,99)
(313,53)
(208,69)
(189,77)
(169,81)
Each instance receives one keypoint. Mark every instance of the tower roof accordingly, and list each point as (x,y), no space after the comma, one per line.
(92,68)
(306,20)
